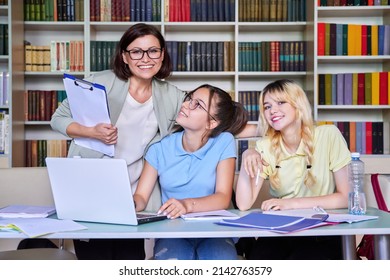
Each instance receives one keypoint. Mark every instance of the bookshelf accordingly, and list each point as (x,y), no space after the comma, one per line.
(358,64)
(238,29)
(12,62)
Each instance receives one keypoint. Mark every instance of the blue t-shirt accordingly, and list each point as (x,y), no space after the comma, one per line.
(183,174)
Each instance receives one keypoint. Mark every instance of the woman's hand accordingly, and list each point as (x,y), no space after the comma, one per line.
(173,208)
(107,133)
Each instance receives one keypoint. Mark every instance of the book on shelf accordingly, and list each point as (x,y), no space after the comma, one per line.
(4,132)
(371,88)
(36,150)
(366,137)
(352,39)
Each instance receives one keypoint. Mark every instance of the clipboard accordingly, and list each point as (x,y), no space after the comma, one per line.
(89,107)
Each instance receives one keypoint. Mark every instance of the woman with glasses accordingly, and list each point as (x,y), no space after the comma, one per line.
(195,168)
(142,111)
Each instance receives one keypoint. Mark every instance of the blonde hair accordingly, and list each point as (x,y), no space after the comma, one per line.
(290,92)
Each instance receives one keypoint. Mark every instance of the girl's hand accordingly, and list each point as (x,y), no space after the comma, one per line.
(251,161)
(276,204)
(173,208)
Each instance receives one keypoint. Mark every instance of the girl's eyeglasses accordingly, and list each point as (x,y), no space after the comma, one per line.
(194,103)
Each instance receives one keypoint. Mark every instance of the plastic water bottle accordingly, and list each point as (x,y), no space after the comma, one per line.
(357,197)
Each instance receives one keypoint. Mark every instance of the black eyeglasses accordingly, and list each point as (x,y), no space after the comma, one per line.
(138,54)
(194,103)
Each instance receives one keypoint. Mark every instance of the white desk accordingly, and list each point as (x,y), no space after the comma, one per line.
(179,228)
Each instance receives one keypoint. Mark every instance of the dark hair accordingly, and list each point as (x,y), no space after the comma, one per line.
(134,32)
(231,115)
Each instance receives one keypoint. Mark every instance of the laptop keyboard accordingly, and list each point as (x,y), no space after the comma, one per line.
(143,216)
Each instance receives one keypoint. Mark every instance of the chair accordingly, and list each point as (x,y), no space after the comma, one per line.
(37,254)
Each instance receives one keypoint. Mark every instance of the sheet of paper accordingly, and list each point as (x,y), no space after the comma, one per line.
(210,215)
(88,105)
(26,211)
(34,227)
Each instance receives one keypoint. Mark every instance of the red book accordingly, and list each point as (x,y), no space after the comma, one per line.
(125,13)
(364,40)
(321,38)
(352,136)
(383,88)
(368,138)
(188,11)
(114,16)
(361,84)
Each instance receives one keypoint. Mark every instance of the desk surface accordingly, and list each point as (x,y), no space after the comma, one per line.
(179,228)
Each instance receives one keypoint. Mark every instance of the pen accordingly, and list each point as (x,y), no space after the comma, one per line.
(257,177)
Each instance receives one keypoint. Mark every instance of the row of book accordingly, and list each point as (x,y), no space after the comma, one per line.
(3,39)
(199,10)
(272,56)
(250,101)
(38,150)
(353,39)
(4,132)
(61,56)
(353,2)
(101,53)
(201,56)
(271,10)
(4,88)
(54,10)
(366,137)
(125,10)
(41,104)
(3,2)
(354,88)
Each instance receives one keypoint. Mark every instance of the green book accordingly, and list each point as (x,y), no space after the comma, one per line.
(345,39)
(367,89)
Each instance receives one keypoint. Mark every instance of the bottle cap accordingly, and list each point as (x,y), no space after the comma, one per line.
(355,155)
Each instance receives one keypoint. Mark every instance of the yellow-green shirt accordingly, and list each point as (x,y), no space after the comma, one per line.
(330,154)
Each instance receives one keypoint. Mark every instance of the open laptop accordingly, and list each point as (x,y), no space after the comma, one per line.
(94,190)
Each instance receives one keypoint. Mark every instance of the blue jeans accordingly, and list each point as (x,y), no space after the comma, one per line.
(195,249)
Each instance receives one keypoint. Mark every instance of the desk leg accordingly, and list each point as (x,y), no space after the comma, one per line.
(382,247)
(349,247)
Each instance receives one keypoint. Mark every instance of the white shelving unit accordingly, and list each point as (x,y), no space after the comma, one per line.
(43,32)
(13,64)
(370,15)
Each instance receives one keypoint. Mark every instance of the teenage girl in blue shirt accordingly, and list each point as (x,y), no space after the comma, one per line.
(195,168)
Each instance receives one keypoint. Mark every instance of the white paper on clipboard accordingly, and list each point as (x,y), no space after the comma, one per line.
(88,105)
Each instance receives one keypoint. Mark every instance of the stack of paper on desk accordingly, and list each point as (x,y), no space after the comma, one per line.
(26,211)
